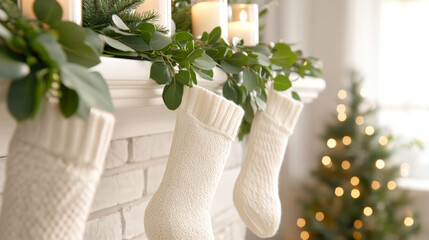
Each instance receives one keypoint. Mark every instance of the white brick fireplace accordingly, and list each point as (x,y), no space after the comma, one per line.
(139,152)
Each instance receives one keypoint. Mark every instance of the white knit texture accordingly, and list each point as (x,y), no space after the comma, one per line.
(52,170)
(256,195)
(206,124)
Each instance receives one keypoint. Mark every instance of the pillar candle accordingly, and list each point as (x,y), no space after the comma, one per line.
(207,15)
(244,23)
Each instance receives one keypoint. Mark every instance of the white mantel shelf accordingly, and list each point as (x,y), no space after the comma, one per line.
(138,102)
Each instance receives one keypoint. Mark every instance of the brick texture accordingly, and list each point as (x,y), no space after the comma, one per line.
(104,228)
(154,178)
(118,154)
(133,220)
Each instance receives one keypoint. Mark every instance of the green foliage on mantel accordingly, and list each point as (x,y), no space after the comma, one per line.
(49,56)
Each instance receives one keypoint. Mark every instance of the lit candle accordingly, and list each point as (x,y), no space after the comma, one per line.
(207,15)
(244,23)
(72,10)
(162,7)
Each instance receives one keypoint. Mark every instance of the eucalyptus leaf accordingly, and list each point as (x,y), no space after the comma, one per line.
(161,73)
(119,23)
(197,53)
(10,67)
(69,101)
(5,33)
(136,43)
(147,31)
(261,100)
(184,77)
(48,47)
(21,97)
(249,112)
(250,80)
(262,59)
(231,92)
(238,59)
(172,95)
(48,11)
(228,68)
(117,44)
(205,74)
(182,37)
(283,56)
(159,41)
(94,40)
(39,93)
(204,62)
(90,86)
(282,82)
(296,96)
(214,35)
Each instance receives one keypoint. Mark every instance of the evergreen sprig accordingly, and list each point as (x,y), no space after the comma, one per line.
(98,13)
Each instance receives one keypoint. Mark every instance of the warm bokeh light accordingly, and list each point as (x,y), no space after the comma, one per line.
(375,185)
(339,191)
(319,216)
(331,143)
(342,94)
(355,193)
(354,181)
(357,235)
(342,116)
(326,160)
(405,169)
(379,164)
(369,130)
(358,224)
(301,222)
(305,235)
(367,211)
(341,108)
(345,165)
(391,185)
(408,221)
(363,92)
(383,140)
(360,120)
(347,140)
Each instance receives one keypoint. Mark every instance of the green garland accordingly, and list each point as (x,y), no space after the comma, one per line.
(176,62)
(51,57)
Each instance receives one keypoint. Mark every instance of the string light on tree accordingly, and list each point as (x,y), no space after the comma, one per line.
(347,140)
(405,169)
(357,235)
(300,222)
(358,224)
(341,108)
(368,211)
(319,216)
(375,185)
(339,191)
(305,235)
(326,161)
(380,164)
(383,140)
(345,164)
(331,143)
(360,120)
(354,181)
(355,193)
(408,221)
(391,185)
(342,94)
(342,116)
(369,130)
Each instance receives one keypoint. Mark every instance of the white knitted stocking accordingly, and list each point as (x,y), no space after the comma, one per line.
(256,189)
(52,170)
(206,124)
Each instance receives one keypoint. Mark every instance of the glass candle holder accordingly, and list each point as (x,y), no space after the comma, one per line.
(162,7)
(72,10)
(209,14)
(244,23)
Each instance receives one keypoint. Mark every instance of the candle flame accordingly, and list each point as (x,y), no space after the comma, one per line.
(243,16)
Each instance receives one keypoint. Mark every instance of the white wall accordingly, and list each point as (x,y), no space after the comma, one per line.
(343,34)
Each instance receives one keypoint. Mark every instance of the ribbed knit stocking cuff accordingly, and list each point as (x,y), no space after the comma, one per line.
(75,140)
(283,110)
(212,110)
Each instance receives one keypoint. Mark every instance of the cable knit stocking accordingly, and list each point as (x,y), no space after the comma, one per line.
(52,170)
(256,189)
(206,124)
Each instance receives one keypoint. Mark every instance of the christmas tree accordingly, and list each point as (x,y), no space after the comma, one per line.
(355,195)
